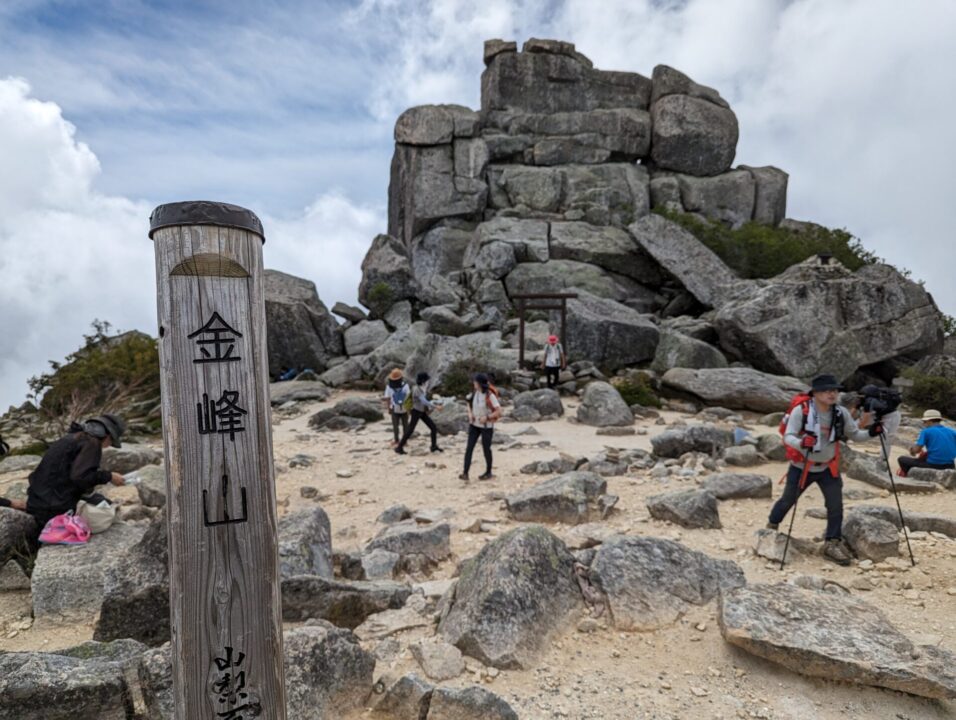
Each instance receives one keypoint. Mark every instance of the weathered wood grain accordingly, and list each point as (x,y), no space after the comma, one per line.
(223,577)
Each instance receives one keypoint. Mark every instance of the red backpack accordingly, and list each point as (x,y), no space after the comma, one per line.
(802,400)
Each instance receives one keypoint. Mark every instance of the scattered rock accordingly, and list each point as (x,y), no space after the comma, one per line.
(19,463)
(570,498)
(129,458)
(15,528)
(511,598)
(152,486)
(871,538)
(602,405)
(837,637)
(420,546)
(394,514)
(409,697)
(439,660)
(731,486)
(545,401)
(298,391)
(704,438)
(742,456)
(651,582)
(342,603)
(305,544)
(688,508)
(734,387)
(470,703)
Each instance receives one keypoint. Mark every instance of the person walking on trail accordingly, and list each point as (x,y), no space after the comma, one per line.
(553,361)
(70,468)
(398,400)
(814,429)
(935,447)
(484,410)
(421,407)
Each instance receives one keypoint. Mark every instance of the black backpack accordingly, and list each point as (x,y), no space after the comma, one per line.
(4,448)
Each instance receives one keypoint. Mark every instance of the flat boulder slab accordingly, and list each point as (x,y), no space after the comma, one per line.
(545,401)
(341,602)
(603,406)
(408,697)
(470,703)
(570,498)
(687,508)
(651,582)
(676,350)
(136,592)
(705,438)
(419,546)
(693,264)
(770,544)
(90,680)
(19,463)
(872,470)
(15,529)
(836,637)
(305,544)
(129,458)
(298,391)
(608,332)
(69,581)
(437,659)
(946,478)
(511,598)
(871,538)
(735,388)
(924,522)
(734,486)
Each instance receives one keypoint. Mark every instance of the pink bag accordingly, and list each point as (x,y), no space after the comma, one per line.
(65,529)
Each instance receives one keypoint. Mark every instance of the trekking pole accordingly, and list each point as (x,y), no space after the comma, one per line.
(793,510)
(899,508)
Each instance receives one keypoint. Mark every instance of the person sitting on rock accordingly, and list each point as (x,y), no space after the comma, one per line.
(484,410)
(814,431)
(70,468)
(421,406)
(398,400)
(553,361)
(935,447)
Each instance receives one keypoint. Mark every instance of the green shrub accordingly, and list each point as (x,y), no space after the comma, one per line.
(380,297)
(931,391)
(107,373)
(637,390)
(762,251)
(457,379)
(37,447)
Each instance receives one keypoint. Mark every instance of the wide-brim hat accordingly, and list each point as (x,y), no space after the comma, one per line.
(822,383)
(396,374)
(932,415)
(115,427)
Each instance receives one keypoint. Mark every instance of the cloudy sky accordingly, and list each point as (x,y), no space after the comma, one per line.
(108,108)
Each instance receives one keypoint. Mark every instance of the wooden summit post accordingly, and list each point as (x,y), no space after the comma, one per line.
(225,605)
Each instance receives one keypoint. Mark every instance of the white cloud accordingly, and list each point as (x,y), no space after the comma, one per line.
(69,254)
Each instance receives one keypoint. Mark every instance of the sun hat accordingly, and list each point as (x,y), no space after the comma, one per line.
(932,415)
(106,424)
(822,383)
(396,374)
(552,339)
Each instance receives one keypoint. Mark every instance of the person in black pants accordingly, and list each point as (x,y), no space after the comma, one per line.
(553,361)
(421,406)
(484,411)
(935,448)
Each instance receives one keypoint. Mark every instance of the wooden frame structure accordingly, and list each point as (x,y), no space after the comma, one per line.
(539,302)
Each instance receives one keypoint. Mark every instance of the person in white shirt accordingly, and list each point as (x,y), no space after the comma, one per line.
(553,361)
(484,410)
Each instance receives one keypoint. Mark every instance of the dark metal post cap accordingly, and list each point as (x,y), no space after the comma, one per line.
(205,212)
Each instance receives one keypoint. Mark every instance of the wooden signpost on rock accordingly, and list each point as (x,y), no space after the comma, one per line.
(226,611)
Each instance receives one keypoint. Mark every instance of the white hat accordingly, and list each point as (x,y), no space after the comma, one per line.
(932,415)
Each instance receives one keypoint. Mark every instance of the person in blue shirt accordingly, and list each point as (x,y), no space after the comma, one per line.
(936,441)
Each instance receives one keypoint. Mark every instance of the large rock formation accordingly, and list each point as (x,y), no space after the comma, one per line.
(301,332)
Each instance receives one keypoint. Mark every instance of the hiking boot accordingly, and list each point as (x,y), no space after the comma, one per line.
(836,551)
(773,526)
(437,449)
(463,477)
(486,476)
(400,450)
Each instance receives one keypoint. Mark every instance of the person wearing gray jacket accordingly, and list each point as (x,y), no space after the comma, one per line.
(813,434)
(421,406)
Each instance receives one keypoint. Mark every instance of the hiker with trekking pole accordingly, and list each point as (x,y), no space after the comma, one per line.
(813,428)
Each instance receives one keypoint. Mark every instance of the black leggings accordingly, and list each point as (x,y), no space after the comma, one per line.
(830,486)
(908,463)
(485,433)
(395,422)
(423,416)
(552,374)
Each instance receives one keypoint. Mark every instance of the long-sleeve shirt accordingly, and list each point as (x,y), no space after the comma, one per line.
(420,401)
(826,447)
(68,470)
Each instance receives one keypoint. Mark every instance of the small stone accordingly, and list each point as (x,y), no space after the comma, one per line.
(588,625)
(308,492)
(699,691)
(344,473)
